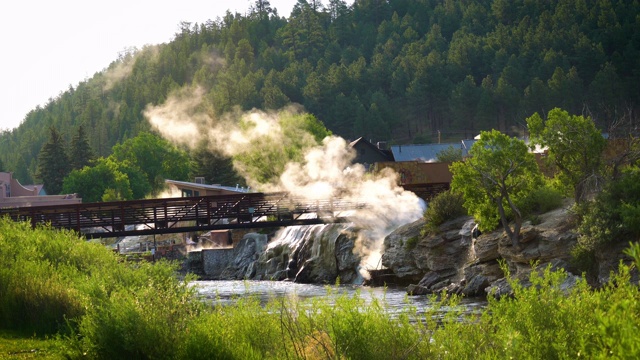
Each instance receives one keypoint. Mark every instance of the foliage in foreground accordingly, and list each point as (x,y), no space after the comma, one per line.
(116,310)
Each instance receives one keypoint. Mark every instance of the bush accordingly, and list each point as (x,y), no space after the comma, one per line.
(541,200)
(43,281)
(443,207)
(141,320)
(611,217)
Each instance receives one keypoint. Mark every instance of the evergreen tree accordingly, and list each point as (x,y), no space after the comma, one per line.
(81,152)
(214,167)
(53,162)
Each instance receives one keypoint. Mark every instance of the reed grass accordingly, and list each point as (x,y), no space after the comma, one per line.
(94,306)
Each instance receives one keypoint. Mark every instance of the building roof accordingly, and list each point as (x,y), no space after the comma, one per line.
(38,189)
(381,153)
(425,152)
(209,187)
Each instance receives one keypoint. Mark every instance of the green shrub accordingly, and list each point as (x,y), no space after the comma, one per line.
(611,217)
(548,321)
(147,321)
(443,207)
(541,200)
(42,277)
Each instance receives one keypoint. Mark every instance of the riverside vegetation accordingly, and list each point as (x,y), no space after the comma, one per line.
(63,297)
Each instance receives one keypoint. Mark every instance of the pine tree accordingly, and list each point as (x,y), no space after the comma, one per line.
(214,167)
(53,162)
(81,152)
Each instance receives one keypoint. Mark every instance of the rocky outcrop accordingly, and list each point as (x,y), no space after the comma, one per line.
(454,261)
(451,259)
(244,256)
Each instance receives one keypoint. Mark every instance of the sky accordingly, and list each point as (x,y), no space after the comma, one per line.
(49,45)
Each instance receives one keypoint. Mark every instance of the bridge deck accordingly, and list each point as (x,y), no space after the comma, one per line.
(174,215)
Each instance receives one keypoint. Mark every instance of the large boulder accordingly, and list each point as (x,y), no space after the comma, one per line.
(433,261)
(551,239)
(245,254)
(328,256)
(398,255)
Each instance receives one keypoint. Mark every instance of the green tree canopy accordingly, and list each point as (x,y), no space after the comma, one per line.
(575,146)
(157,158)
(107,180)
(53,162)
(499,172)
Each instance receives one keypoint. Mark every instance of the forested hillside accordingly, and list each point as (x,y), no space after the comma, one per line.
(398,70)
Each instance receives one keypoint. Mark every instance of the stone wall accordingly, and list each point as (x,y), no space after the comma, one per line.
(215,261)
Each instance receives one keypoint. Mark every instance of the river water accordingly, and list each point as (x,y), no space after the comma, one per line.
(395,299)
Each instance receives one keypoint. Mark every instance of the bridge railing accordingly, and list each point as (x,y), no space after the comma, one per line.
(183,214)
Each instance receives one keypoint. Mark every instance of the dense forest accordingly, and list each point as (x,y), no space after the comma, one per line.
(402,71)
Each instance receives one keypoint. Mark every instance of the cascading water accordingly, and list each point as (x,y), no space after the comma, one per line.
(311,254)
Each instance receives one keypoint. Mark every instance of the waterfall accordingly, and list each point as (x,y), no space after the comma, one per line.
(311,254)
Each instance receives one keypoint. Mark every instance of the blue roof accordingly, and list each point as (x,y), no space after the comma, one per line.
(426,152)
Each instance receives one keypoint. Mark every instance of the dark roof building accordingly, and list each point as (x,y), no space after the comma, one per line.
(368,154)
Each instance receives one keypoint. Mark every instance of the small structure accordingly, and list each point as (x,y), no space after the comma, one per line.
(425,179)
(368,154)
(13,194)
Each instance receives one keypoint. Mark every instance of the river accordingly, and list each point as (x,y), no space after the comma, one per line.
(395,298)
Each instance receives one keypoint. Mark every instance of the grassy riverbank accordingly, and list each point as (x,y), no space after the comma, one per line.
(61,297)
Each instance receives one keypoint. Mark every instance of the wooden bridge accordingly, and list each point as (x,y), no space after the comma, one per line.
(185,214)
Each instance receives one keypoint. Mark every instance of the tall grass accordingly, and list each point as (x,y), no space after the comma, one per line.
(51,282)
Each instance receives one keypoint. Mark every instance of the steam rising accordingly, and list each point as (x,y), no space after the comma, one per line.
(122,68)
(325,171)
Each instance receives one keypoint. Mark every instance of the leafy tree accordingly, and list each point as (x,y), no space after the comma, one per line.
(53,162)
(157,158)
(575,147)
(499,172)
(614,216)
(81,153)
(1,165)
(107,180)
